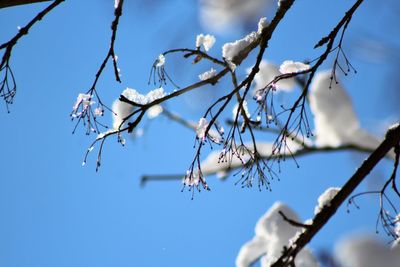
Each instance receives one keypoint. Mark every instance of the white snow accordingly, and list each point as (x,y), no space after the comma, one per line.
(334,118)
(122,109)
(325,198)
(99,111)
(134,96)
(116,3)
(208,74)
(251,251)
(262,23)
(280,2)
(222,15)
(212,163)
(290,66)
(363,251)
(160,60)
(191,178)
(231,50)
(101,135)
(268,71)
(396,243)
(140,99)
(83,100)
(207,41)
(154,95)
(236,109)
(393,126)
(201,128)
(272,233)
(154,111)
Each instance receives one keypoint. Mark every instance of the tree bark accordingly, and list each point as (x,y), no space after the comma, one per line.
(392,139)
(11,3)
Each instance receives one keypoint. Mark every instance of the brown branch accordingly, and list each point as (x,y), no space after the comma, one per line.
(392,139)
(24,30)
(111,51)
(11,3)
(305,151)
(262,41)
(7,92)
(86,117)
(293,222)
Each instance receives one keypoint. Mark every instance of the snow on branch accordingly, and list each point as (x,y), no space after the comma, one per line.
(272,234)
(280,227)
(391,140)
(159,69)
(254,160)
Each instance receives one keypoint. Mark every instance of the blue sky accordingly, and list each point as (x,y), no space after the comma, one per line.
(54,212)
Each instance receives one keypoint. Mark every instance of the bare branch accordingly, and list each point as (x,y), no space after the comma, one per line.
(11,3)
(8,92)
(292,222)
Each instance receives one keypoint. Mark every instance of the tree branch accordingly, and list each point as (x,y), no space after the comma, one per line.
(392,139)
(301,152)
(8,92)
(87,117)
(11,3)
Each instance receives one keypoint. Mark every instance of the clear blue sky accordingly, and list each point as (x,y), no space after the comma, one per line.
(54,212)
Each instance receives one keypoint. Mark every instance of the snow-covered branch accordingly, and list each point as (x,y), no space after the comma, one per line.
(391,140)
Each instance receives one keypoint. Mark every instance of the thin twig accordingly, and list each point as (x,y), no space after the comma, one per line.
(305,151)
(8,88)
(292,222)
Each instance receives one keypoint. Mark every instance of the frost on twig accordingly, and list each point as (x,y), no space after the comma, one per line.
(88,115)
(207,41)
(159,72)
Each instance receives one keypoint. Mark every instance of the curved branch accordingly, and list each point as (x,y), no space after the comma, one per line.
(7,92)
